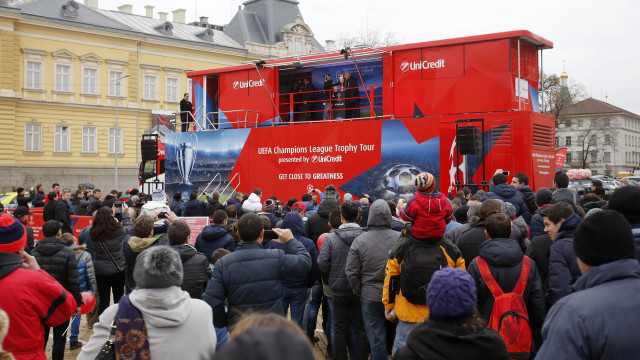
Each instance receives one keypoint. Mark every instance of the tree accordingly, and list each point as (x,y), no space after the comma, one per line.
(598,134)
(370,38)
(557,97)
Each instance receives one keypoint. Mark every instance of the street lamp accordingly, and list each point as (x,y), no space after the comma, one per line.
(116,134)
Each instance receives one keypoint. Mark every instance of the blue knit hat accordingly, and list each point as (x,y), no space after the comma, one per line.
(451,295)
(13,235)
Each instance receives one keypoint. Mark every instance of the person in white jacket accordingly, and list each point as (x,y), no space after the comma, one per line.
(253,203)
(178,327)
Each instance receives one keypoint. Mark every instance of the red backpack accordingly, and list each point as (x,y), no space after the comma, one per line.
(509,314)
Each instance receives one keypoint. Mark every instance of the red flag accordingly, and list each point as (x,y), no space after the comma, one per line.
(561,155)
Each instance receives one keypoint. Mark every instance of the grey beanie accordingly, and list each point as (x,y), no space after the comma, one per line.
(158,267)
(509,209)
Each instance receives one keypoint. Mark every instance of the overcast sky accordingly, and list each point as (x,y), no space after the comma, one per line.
(598,39)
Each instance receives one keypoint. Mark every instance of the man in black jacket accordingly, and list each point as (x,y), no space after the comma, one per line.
(63,213)
(195,266)
(504,257)
(59,261)
(49,210)
(470,240)
(95,203)
(309,94)
(352,96)
(24,200)
(520,182)
(185,109)
(213,204)
(328,86)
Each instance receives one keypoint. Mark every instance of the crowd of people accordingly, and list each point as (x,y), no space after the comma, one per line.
(504,274)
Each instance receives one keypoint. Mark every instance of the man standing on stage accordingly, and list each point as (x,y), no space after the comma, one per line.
(185,105)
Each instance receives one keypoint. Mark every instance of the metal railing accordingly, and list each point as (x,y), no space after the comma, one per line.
(219,176)
(237,175)
(239,119)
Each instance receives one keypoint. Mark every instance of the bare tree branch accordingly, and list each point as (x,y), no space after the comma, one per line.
(371,38)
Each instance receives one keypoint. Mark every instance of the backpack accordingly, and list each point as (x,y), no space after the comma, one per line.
(509,314)
(421,261)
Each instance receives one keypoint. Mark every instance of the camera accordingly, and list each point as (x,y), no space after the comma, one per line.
(270,235)
(119,204)
(162,215)
(326,77)
(279,210)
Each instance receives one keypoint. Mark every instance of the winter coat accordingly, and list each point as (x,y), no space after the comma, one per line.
(30,298)
(237,203)
(250,278)
(430,214)
(24,200)
(86,271)
(635,229)
(600,319)
(364,216)
(504,258)
(253,204)
(563,266)
(507,193)
(195,269)
(369,252)
(434,340)
(293,222)
(212,206)
(195,207)
(318,222)
(59,261)
(94,205)
(171,318)
(470,241)
(537,223)
(38,199)
(212,238)
(310,207)
(333,257)
(538,251)
(132,247)
(49,211)
(101,261)
(529,198)
(594,205)
(566,195)
(63,215)
(405,310)
(455,233)
(80,206)
(275,219)
(175,207)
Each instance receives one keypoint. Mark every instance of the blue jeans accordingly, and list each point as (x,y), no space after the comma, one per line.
(402,331)
(75,329)
(296,299)
(375,326)
(312,308)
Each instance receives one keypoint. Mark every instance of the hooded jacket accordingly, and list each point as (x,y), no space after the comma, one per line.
(101,261)
(529,198)
(212,206)
(563,266)
(214,237)
(507,193)
(237,203)
(86,272)
(175,207)
(504,257)
(293,222)
(38,199)
(318,222)
(430,214)
(131,249)
(250,279)
(434,340)
(600,319)
(49,211)
(333,257)
(59,261)
(35,298)
(195,207)
(369,253)
(253,204)
(470,240)
(195,269)
(80,206)
(171,318)
(537,223)
(566,195)
(94,205)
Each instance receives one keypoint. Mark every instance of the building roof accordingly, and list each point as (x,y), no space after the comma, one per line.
(592,106)
(124,22)
(261,21)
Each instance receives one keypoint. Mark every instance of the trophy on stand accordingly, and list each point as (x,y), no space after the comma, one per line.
(186,153)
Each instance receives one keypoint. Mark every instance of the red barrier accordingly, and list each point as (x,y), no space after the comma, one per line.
(78,223)
(196,224)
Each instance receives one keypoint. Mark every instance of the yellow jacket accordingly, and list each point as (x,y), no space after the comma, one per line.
(405,310)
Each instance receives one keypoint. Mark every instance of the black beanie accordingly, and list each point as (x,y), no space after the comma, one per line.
(603,237)
(626,200)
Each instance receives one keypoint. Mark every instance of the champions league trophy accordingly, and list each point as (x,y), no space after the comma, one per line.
(186,152)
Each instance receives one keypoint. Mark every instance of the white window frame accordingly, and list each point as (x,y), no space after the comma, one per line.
(171,92)
(113,76)
(189,88)
(89,135)
(60,144)
(86,81)
(62,79)
(150,91)
(33,132)
(112,141)
(33,79)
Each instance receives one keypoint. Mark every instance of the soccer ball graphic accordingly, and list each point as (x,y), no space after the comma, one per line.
(401,179)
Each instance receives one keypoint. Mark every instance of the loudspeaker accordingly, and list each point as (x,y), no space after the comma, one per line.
(149,150)
(468,140)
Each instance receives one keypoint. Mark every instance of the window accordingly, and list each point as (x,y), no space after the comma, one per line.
(32,136)
(557,142)
(567,141)
(61,139)
(34,75)
(89,140)
(607,157)
(90,81)
(607,139)
(594,156)
(113,77)
(172,90)
(112,138)
(150,87)
(189,86)
(63,72)
(568,157)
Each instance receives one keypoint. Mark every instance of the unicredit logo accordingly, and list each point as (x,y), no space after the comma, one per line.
(420,65)
(245,84)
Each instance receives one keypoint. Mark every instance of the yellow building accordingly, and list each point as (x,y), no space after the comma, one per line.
(59,63)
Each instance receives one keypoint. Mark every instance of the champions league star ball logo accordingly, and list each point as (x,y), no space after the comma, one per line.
(401,179)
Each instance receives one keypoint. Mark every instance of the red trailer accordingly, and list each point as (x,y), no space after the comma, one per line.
(459,108)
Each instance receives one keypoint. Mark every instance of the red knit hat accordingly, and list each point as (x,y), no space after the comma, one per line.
(13,235)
